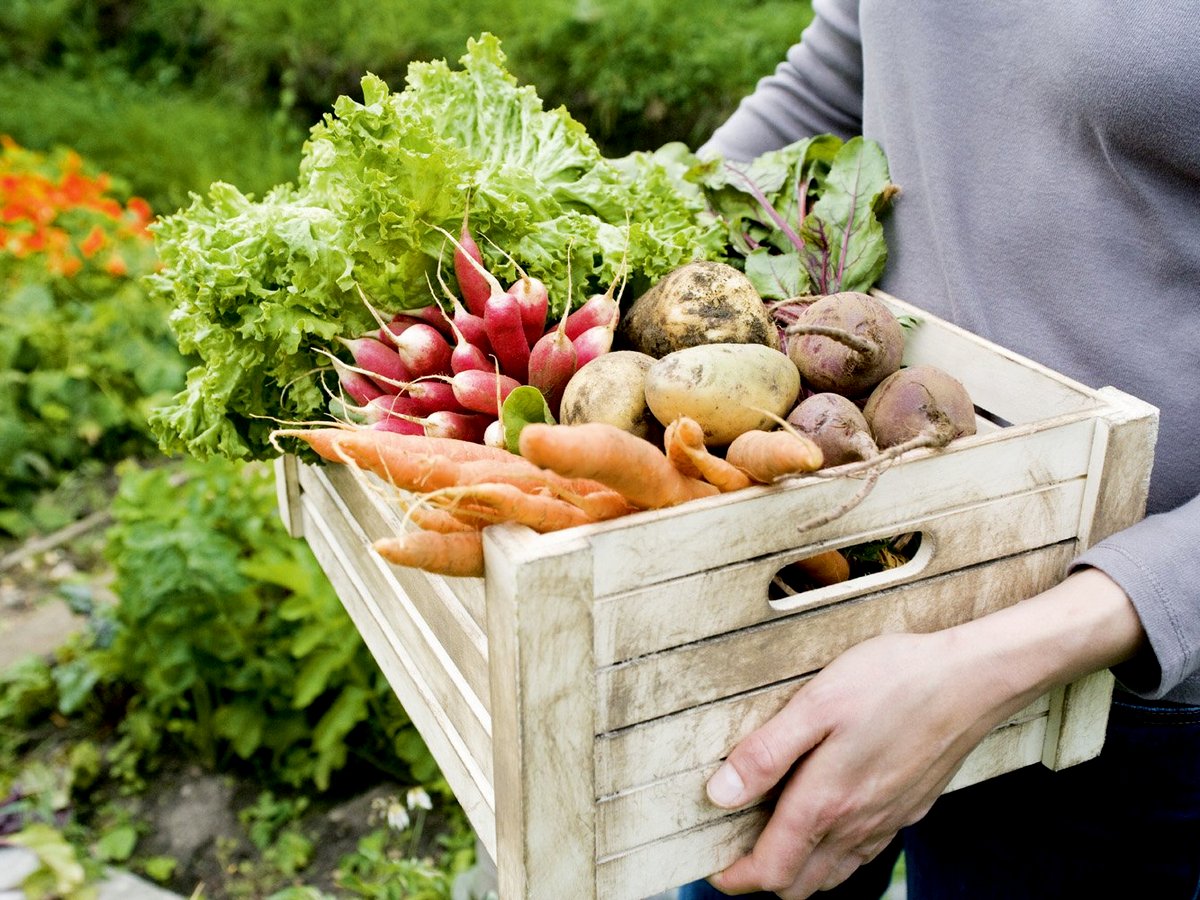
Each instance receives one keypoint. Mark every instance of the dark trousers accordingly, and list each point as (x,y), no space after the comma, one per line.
(1123,825)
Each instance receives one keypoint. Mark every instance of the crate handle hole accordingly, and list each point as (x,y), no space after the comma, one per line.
(818,578)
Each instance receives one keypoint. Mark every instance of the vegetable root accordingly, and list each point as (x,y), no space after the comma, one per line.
(685,448)
(458,553)
(628,464)
(766,456)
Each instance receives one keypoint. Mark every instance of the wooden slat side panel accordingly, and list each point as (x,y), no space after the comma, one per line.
(380,514)
(697,852)
(539,623)
(646,548)
(713,602)
(429,596)
(662,808)
(394,612)
(287,494)
(998,380)
(469,778)
(664,683)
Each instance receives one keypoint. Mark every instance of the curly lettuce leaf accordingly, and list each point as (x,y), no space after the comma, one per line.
(261,287)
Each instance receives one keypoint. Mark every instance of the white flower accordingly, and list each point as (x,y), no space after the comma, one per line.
(397,817)
(418,799)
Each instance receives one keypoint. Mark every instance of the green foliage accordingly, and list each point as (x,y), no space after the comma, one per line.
(84,351)
(238,84)
(229,639)
(166,140)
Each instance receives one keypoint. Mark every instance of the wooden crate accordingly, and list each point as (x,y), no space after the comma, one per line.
(579,697)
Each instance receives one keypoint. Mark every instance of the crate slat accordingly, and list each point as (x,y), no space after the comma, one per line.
(663,683)
(707,603)
(731,528)
(436,722)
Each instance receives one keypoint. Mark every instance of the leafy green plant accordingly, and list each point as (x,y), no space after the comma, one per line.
(84,350)
(228,640)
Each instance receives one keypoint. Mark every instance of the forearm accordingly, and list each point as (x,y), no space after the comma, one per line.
(1083,624)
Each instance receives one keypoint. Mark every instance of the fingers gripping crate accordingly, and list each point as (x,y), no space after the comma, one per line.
(578,698)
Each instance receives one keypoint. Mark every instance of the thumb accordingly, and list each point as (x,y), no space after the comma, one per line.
(762,758)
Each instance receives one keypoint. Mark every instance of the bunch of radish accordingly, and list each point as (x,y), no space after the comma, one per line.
(444,370)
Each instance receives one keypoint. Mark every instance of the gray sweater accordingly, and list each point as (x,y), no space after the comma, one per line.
(1049,160)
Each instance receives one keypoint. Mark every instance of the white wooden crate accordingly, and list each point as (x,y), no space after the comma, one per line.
(578,698)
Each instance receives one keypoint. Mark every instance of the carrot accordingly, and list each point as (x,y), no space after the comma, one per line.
(384,447)
(628,464)
(684,443)
(459,553)
(767,455)
(491,502)
(432,519)
(822,569)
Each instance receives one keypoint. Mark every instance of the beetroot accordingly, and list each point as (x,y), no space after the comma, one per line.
(835,425)
(920,406)
(845,343)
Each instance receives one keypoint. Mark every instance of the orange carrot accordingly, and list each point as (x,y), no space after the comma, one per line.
(458,553)
(767,455)
(433,519)
(506,503)
(684,443)
(822,569)
(388,444)
(628,464)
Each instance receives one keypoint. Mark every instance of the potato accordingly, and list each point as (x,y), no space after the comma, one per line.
(724,387)
(698,303)
(611,388)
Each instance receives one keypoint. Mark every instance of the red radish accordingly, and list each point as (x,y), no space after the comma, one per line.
(535,305)
(423,350)
(462,426)
(472,277)
(464,325)
(398,425)
(552,362)
(390,405)
(357,386)
(594,342)
(432,315)
(494,436)
(377,360)
(399,322)
(506,332)
(599,309)
(482,391)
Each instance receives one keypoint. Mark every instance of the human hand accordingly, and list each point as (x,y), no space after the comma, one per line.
(878,734)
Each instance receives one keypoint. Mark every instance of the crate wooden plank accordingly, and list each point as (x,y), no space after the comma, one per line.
(697,606)
(697,852)
(628,553)
(456,602)
(394,611)
(663,683)
(287,495)
(1000,381)
(539,619)
(650,812)
(437,723)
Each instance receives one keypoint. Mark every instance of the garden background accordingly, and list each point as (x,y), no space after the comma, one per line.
(202,652)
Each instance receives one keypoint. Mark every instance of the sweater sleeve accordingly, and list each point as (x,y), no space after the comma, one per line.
(815,90)
(1154,562)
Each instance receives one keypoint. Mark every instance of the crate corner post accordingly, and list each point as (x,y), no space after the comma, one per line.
(287,494)
(1115,498)
(541,657)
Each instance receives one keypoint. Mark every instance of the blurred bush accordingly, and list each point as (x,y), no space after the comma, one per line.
(84,351)
(174,94)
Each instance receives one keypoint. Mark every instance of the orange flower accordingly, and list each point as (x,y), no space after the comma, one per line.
(115,265)
(91,244)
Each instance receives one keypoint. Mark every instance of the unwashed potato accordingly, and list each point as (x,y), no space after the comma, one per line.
(698,303)
(611,388)
(727,388)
